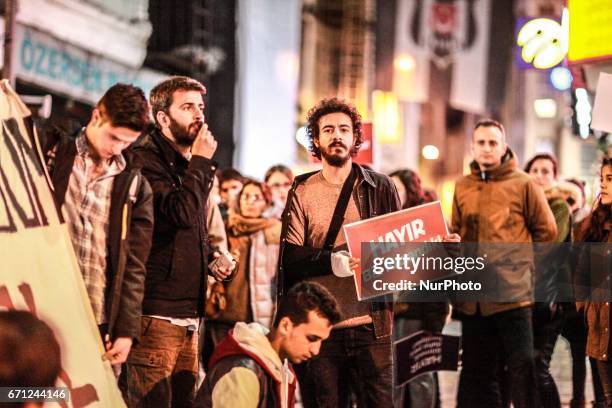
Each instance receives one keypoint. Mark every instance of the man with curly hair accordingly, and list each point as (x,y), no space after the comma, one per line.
(358,355)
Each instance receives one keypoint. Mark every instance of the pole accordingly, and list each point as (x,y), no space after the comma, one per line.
(10,7)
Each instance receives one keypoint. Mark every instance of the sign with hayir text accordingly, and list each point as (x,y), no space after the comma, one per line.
(424,223)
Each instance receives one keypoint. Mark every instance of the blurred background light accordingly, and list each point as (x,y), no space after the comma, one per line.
(431,152)
(405,63)
(545,108)
(561,78)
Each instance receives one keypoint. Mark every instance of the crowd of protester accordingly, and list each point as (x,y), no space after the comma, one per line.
(210,288)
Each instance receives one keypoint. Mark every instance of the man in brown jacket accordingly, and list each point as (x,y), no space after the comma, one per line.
(498,203)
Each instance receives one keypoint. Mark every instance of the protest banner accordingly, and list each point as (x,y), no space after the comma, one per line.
(39,271)
(423,352)
(424,223)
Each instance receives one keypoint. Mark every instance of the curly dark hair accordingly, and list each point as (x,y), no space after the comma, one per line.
(305,297)
(325,107)
(592,229)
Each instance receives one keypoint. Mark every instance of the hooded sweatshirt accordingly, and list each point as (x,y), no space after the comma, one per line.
(245,371)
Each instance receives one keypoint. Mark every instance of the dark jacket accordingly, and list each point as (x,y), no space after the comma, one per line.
(176,269)
(375,195)
(128,243)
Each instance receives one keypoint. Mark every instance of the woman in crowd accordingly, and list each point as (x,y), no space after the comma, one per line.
(411,317)
(278,182)
(249,296)
(574,327)
(551,270)
(592,279)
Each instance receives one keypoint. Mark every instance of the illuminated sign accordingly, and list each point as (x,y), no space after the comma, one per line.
(542,42)
(590,30)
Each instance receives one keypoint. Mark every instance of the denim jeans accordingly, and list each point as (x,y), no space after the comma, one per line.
(353,361)
(162,367)
(485,340)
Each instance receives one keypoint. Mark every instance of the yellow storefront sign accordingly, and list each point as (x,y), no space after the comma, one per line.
(590,31)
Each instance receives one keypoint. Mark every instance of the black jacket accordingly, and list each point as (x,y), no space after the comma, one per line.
(128,244)
(376,195)
(176,269)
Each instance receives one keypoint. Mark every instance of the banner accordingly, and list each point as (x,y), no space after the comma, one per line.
(424,223)
(452,35)
(424,352)
(39,271)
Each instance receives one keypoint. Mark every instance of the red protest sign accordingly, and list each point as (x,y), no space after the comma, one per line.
(424,223)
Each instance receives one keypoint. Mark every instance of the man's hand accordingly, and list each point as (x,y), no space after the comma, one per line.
(204,144)
(222,272)
(452,247)
(117,352)
(354,264)
(451,238)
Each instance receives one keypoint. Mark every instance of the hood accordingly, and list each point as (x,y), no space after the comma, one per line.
(508,165)
(250,339)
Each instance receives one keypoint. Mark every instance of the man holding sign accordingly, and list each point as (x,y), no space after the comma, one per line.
(318,204)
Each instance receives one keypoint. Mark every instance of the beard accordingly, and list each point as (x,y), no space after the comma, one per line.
(335,159)
(184,135)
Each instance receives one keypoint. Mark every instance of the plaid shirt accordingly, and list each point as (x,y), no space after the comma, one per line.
(86,211)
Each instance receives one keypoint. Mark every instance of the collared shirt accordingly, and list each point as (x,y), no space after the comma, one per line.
(86,211)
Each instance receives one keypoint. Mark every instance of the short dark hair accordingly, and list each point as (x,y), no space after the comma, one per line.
(325,107)
(543,156)
(161,94)
(305,297)
(279,168)
(29,352)
(488,122)
(230,174)
(125,106)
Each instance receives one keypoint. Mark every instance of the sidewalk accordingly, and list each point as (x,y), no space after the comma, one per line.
(561,367)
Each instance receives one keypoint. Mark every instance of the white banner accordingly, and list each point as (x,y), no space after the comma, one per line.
(470,78)
(453,35)
(39,272)
(63,68)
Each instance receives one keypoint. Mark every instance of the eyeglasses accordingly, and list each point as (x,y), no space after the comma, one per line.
(276,186)
(252,197)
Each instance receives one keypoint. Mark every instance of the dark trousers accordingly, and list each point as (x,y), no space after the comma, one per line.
(547,326)
(485,340)
(605,375)
(353,361)
(575,331)
(214,332)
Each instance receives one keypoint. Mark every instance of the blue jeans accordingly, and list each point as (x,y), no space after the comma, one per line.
(162,368)
(352,360)
(485,340)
